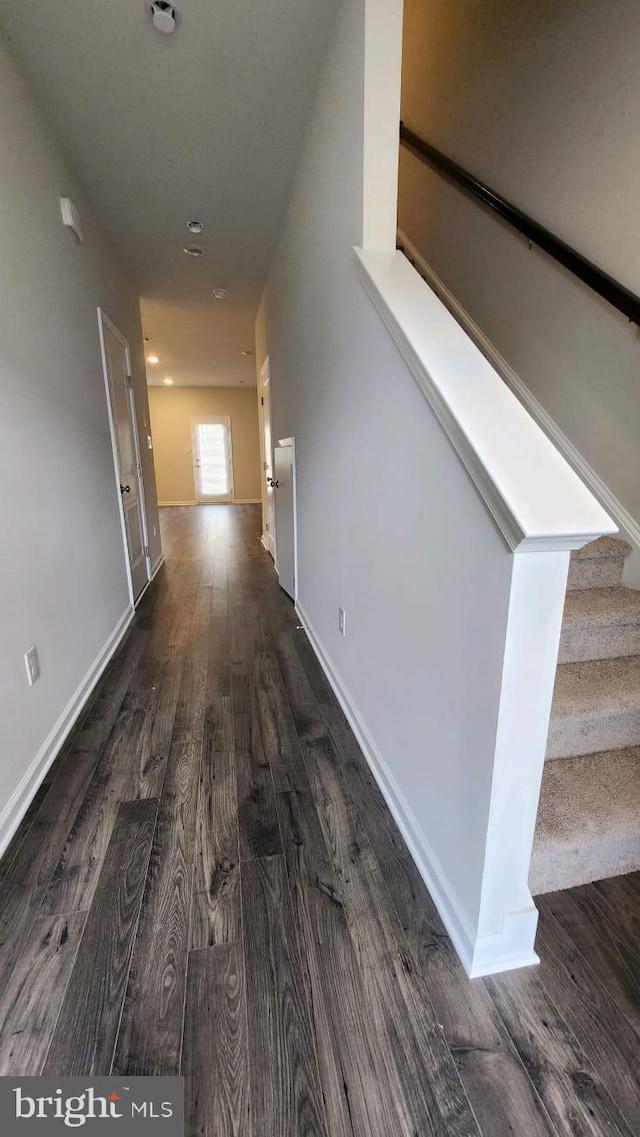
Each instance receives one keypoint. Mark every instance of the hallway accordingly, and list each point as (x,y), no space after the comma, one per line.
(209,882)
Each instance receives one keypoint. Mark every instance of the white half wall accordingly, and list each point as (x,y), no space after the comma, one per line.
(63,579)
(395,526)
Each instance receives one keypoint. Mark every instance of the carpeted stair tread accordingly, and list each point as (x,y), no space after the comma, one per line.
(597,607)
(600,623)
(602,547)
(588,820)
(596,706)
(596,686)
(599,564)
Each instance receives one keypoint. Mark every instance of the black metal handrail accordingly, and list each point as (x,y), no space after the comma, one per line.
(615,293)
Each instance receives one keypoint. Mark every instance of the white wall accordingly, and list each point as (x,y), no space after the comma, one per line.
(390,525)
(63,578)
(540,100)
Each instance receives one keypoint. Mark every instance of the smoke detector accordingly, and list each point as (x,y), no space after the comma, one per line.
(163,16)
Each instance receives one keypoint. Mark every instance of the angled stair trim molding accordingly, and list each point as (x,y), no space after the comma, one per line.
(23,795)
(607,499)
(536,499)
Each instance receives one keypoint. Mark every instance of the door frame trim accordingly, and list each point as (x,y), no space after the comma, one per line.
(261,387)
(294,493)
(105,322)
(196,420)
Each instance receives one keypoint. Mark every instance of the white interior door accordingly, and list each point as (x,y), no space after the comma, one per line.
(268,518)
(284,486)
(124,436)
(213,460)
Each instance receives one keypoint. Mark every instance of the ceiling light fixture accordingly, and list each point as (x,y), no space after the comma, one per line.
(163,16)
(220,293)
(246,353)
(194,250)
(152,359)
(168,380)
(195,226)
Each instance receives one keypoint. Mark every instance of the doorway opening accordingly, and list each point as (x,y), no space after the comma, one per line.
(213,460)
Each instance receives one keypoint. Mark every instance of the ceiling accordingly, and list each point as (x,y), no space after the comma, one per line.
(203,124)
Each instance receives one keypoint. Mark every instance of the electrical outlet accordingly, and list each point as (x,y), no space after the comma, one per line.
(155,531)
(342,621)
(32,664)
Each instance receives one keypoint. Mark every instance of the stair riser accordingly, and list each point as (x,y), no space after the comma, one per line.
(607,642)
(573,865)
(600,572)
(571,737)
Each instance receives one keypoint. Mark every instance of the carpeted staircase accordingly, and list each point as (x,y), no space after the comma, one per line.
(589,814)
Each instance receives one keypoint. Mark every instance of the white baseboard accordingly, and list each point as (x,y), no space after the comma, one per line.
(23,795)
(247,501)
(623,519)
(154,570)
(479,955)
(168,504)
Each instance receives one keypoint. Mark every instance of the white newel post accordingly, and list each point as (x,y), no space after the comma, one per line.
(508,916)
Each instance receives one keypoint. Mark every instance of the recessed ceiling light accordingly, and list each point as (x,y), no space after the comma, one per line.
(220,293)
(152,359)
(194,250)
(246,353)
(195,226)
(168,380)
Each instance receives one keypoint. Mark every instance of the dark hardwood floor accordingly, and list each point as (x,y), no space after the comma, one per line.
(209,882)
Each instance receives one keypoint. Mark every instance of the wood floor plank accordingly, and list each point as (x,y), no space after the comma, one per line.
(286,1096)
(150,1036)
(74,879)
(259,833)
(279,737)
(216,1060)
(216,916)
(611,955)
(132,764)
(619,900)
(359,1095)
(85,1034)
(610,1044)
(572,1090)
(35,862)
(34,996)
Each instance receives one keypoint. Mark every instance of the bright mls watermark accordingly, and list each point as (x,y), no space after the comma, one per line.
(125,1105)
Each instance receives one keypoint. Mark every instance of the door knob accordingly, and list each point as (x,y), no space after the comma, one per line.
(274,483)
(125,489)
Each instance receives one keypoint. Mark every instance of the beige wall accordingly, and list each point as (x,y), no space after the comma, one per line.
(63,578)
(172,411)
(539,99)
